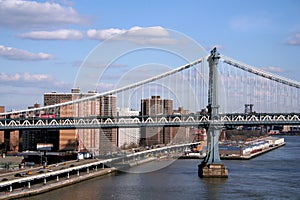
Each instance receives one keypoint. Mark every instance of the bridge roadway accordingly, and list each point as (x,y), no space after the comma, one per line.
(236,119)
(33,179)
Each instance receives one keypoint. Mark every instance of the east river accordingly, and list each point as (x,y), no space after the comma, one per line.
(274,175)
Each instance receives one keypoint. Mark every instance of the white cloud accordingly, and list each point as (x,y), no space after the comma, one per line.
(136,34)
(32,80)
(20,54)
(18,85)
(155,31)
(294,40)
(63,34)
(140,35)
(36,77)
(25,14)
(24,77)
(274,69)
(104,34)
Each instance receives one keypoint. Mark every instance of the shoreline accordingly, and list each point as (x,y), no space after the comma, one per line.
(35,190)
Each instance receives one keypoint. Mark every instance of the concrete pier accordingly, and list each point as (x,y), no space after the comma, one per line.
(212,171)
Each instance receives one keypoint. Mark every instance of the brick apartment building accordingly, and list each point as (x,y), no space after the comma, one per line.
(162,135)
(94,140)
(9,140)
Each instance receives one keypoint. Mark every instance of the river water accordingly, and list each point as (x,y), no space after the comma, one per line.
(274,175)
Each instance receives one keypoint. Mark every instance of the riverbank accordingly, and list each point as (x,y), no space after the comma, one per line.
(36,180)
(34,190)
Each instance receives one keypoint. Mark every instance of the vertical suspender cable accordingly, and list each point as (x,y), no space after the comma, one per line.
(182,86)
(143,93)
(149,102)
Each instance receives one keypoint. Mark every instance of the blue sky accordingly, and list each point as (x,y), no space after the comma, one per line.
(44,43)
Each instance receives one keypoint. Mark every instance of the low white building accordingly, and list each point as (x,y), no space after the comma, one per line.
(128,136)
(275,141)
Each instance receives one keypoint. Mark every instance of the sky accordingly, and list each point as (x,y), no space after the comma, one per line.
(46,46)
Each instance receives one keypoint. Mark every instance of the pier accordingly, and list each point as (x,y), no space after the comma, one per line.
(241,152)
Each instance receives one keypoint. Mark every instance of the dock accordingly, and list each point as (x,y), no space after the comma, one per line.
(245,151)
(252,155)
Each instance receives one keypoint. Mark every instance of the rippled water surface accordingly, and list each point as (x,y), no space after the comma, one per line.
(274,175)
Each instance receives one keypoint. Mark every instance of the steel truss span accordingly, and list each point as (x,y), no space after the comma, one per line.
(152,121)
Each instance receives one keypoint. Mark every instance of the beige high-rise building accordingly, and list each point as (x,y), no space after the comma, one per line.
(108,136)
(2,110)
(182,133)
(94,140)
(156,106)
(152,107)
(128,136)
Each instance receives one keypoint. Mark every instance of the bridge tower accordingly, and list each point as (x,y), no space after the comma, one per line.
(212,166)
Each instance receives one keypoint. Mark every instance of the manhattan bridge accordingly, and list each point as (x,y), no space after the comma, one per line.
(215,91)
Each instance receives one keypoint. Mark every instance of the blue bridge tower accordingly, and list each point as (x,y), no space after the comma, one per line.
(212,166)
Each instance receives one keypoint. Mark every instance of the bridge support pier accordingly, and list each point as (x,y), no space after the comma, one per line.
(211,166)
(212,171)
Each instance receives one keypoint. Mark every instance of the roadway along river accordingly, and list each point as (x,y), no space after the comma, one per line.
(274,175)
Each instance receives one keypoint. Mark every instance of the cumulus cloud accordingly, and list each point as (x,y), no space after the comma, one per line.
(63,34)
(104,34)
(25,77)
(274,69)
(17,85)
(25,14)
(155,31)
(141,35)
(20,54)
(294,40)
(31,80)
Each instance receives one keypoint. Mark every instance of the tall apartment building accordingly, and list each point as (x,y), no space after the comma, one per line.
(128,136)
(2,110)
(182,133)
(108,136)
(67,138)
(95,140)
(152,107)
(156,106)
(9,140)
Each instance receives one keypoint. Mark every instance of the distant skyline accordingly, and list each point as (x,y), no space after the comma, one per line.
(44,43)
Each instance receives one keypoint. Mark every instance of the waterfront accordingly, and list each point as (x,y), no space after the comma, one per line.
(274,175)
